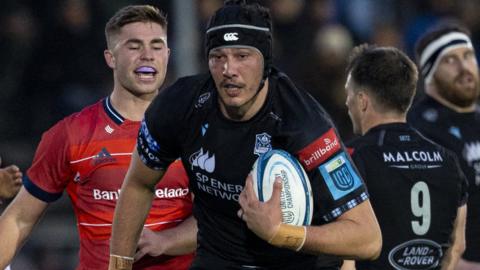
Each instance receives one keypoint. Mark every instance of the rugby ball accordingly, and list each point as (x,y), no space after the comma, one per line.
(296,198)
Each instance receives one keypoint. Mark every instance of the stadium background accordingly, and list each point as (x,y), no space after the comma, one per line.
(51,64)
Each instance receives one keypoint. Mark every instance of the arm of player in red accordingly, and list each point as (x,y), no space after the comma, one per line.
(178,240)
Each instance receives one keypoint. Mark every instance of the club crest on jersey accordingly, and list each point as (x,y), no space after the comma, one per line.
(263,143)
(340,176)
(203,160)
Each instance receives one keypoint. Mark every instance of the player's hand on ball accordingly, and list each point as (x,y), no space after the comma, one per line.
(263,218)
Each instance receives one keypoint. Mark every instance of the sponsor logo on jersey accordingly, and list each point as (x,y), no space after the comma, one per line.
(150,141)
(320,150)
(414,159)
(202,99)
(404,138)
(203,161)
(218,188)
(416,254)
(109,129)
(471,153)
(430,115)
(77,177)
(103,157)
(148,148)
(274,116)
(262,143)
(161,193)
(230,36)
(455,131)
(340,176)
(204,129)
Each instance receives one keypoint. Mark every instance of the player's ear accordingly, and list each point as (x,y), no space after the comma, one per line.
(364,100)
(109,58)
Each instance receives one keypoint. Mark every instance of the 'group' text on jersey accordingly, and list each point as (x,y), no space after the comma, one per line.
(88,154)
(415,187)
(218,154)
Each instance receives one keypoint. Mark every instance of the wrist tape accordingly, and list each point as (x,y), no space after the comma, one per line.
(289,236)
(120,262)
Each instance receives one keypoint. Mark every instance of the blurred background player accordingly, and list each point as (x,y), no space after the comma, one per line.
(88,153)
(416,187)
(219,123)
(449,113)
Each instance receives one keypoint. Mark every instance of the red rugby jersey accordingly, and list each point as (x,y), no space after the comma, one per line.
(88,154)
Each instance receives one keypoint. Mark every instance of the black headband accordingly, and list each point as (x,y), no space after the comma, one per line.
(238,35)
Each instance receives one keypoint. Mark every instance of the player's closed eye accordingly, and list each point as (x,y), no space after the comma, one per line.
(158,46)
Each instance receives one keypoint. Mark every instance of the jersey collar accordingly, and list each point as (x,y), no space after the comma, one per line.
(111,112)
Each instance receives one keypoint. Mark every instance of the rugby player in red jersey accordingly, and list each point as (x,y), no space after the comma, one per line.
(88,154)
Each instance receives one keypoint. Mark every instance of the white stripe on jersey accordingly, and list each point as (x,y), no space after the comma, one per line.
(87,158)
(146,225)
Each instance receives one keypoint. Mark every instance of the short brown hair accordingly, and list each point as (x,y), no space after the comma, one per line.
(387,73)
(132,14)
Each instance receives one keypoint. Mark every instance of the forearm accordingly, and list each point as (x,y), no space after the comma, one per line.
(348,265)
(349,236)
(455,251)
(451,258)
(130,214)
(182,239)
(16,224)
(11,240)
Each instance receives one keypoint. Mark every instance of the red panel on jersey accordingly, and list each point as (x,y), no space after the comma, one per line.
(88,154)
(320,150)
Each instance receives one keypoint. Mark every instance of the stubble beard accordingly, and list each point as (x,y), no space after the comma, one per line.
(462,97)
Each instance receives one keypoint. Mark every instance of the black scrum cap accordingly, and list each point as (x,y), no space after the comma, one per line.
(239,25)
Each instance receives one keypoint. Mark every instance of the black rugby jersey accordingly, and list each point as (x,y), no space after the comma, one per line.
(415,187)
(459,132)
(185,120)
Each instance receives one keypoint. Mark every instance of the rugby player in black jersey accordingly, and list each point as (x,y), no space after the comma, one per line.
(219,123)
(449,114)
(416,187)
